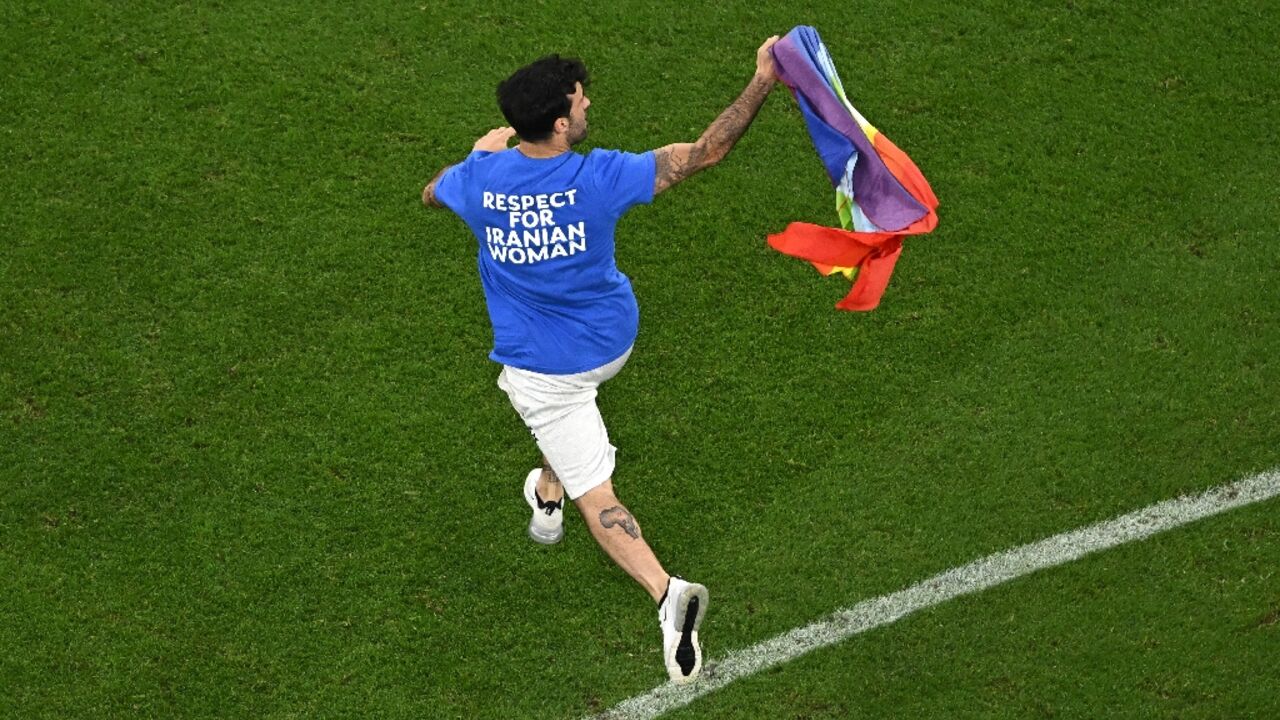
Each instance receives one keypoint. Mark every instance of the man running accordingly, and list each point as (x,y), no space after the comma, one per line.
(564,318)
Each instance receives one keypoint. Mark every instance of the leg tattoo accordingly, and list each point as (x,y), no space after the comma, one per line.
(548,473)
(618,515)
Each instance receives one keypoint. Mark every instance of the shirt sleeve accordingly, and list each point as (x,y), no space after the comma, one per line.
(625,179)
(451,188)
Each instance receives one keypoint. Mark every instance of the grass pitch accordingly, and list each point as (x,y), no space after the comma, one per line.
(253,462)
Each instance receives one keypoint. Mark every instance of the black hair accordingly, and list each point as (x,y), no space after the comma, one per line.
(536,95)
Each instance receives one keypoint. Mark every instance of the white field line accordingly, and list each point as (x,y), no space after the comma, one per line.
(976,576)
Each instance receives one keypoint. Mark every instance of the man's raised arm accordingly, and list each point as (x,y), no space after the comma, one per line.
(680,160)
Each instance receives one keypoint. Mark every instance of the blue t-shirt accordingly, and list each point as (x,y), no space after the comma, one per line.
(556,299)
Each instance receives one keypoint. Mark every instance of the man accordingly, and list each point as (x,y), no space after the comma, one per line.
(564,318)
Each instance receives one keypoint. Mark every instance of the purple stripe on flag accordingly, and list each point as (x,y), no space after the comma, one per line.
(884,200)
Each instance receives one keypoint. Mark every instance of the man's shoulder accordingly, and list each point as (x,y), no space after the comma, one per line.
(480,165)
(607,164)
(480,158)
(610,154)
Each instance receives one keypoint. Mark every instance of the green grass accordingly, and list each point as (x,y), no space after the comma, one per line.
(253,462)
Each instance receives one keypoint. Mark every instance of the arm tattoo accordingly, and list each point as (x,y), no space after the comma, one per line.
(677,162)
(724,133)
(618,515)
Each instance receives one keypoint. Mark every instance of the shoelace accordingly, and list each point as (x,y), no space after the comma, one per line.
(548,507)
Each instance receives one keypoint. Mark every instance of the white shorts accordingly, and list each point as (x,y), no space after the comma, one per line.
(561,412)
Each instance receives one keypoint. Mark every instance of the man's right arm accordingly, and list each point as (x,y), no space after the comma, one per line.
(429,192)
(681,160)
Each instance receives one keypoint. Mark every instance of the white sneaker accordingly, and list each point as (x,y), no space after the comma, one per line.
(680,613)
(547,524)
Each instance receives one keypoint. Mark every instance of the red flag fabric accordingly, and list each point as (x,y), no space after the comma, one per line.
(874,254)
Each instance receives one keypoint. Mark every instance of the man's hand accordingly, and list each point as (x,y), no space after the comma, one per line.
(764,60)
(495,140)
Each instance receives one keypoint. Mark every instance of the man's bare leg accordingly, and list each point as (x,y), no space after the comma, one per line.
(618,533)
(549,487)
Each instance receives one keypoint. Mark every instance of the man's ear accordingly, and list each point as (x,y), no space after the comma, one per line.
(562,125)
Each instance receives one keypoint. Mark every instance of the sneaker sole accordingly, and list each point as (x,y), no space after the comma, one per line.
(538,535)
(690,608)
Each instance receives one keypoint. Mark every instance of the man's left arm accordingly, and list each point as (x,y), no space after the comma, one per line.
(493,141)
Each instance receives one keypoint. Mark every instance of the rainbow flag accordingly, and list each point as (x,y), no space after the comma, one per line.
(881,196)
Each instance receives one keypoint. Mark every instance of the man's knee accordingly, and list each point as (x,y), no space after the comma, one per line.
(601,494)
(599,506)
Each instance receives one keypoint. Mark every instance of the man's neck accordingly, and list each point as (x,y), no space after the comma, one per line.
(548,148)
